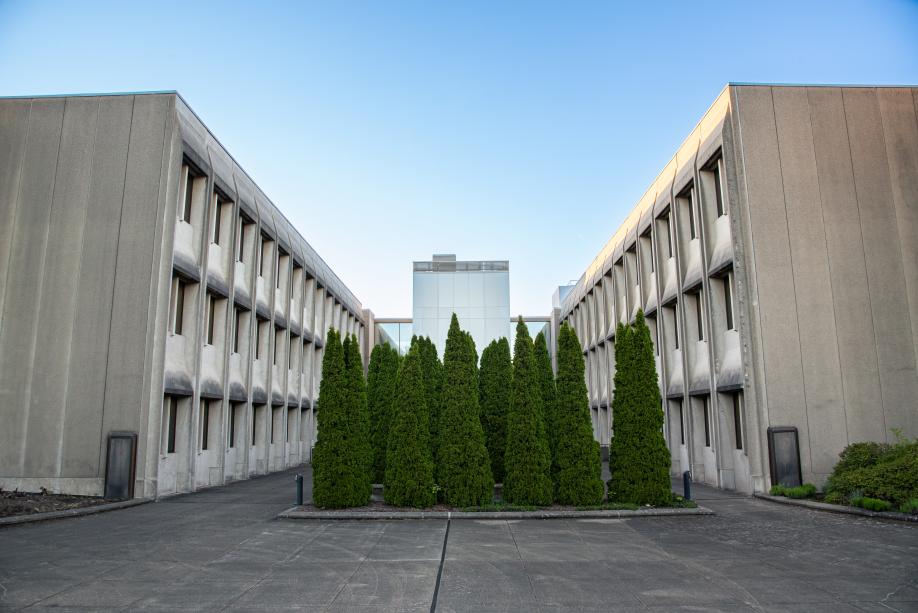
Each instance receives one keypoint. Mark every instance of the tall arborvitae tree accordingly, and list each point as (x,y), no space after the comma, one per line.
(432,369)
(463,464)
(577,463)
(547,389)
(380,400)
(409,466)
(358,412)
(638,458)
(338,471)
(527,460)
(495,375)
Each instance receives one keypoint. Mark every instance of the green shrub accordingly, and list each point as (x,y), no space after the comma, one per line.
(577,466)
(807,490)
(494,396)
(358,411)
(547,388)
(409,466)
(909,506)
(380,401)
(339,470)
(432,369)
(638,458)
(886,472)
(871,504)
(463,463)
(527,459)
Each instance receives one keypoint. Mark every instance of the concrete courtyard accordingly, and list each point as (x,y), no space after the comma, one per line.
(224,549)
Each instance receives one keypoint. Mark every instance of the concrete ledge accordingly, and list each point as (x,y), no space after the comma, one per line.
(838,508)
(297,513)
(91,510)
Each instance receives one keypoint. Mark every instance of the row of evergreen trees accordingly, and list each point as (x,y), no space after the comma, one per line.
(425,428)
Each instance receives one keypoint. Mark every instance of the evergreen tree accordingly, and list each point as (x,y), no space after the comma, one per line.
(494,386)
(638,458)
(577,463)
(432,371)
(409,466)
(463,464)
(337,467)
(527,460)
(358,411)
(547,389)
(380,401)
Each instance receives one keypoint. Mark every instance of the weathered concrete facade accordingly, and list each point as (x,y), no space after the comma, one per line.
(776,259)
(148,285)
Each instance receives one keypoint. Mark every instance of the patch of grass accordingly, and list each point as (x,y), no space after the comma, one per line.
(500,508)
(807,490)
(871,504)
(909,506)
(683,503)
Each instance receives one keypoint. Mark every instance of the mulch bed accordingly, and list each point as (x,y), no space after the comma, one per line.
(25,503)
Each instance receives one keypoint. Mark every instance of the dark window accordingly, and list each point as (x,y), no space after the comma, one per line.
(259,333)
(675,314)
(289,426)
(728,300)
(189,194)
(173,419)
(273,418)
(718,193)
(690,197)
(699,314)
(665,221)
(262,254)
(211,318)
(218,214)
(179,317)
(707,422)
(738,418)
(205,425)
(232,425)
(277,270)
(237,329)
(254,419)
(681,422)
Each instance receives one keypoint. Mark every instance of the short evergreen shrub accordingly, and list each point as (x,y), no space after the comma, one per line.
(577,468)
(338,469)
(909,506)
(463,471)
(876,470)
(380,401)
(494,379)
(527,459)
(639,460)
(409,466)
(871,504)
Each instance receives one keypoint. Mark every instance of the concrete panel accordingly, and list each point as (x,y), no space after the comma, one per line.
(89,353)
(854,321)
(777,300)
(900,126)
(825,402)
(885,276)
(23,284)
(134,269)
(14,129)
(57,309)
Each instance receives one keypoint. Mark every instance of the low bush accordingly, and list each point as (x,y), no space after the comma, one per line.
(871,504)
(876,470)
(807,490)
(909,506)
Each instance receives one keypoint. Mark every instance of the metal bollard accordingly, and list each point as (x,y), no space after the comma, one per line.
(299,490)
(687,485)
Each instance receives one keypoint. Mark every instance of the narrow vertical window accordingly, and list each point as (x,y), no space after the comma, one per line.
(699,314)
(681,423)
(189,195)
(211,318)
(690,195)
(718,192)
(728,300)
(173,421)
(289,426)
(258,338)
(254,419)
(676,327)
(231,441)
(237,329)
(667,227)
(240,237)
(261,256)
(218,212)
(205,424)
(277,272)
(738,419)
(178,316)
(707,421)
(273,419)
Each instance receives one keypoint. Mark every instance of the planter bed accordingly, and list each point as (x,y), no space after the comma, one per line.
(838,508)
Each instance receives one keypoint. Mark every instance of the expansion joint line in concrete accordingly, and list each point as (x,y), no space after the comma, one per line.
(433,602)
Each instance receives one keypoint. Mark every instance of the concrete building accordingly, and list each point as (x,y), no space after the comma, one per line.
(148,286)
(478,292)
(776,259)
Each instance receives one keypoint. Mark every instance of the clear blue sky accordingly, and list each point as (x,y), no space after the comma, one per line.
(388,131)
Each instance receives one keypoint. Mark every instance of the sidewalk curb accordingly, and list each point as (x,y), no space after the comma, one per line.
(837,508)
(293,513)
(92,510)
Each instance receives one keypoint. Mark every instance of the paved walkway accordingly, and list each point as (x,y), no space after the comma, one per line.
(223,549)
